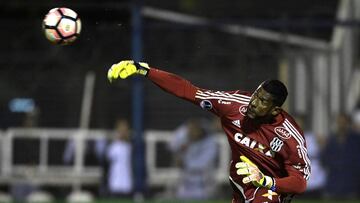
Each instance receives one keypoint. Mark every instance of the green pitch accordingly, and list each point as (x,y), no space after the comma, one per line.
(222,201)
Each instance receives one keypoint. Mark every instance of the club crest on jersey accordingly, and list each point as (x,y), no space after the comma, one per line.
(243,109)
(276,144)
(282,132)
(206,104)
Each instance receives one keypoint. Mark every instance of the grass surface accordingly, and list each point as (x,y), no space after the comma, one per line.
(223,201)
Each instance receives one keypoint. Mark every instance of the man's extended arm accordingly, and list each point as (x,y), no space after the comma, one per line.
(169,82)
(213,101)
(173,84)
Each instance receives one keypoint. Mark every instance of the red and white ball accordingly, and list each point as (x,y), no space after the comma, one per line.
(62,26)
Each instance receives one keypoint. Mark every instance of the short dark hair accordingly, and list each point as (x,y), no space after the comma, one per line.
(277,89)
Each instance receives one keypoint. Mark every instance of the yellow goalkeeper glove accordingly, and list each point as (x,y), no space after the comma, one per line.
(126,68)
(253,174)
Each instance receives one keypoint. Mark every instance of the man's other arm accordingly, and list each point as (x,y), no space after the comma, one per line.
(294,183)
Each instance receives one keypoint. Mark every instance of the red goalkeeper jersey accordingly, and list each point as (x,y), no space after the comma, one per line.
(278,149)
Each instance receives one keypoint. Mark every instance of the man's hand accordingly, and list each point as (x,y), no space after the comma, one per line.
(253,174)
(127,68)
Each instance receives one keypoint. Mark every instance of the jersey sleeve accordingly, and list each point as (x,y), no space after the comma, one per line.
(218,102)
(297,164)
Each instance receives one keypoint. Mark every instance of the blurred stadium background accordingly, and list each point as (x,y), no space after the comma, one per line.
(52,94)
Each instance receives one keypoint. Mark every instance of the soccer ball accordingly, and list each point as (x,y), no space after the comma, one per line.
(62,26)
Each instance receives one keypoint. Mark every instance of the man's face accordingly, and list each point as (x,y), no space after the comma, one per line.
(261,104)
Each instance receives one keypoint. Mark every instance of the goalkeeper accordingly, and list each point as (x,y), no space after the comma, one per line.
(269,156)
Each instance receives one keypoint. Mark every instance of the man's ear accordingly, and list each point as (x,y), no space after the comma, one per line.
(275,111)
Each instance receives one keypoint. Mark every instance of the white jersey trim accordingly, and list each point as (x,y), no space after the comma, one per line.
(220,95)
(226,94)
(241,95)
(303,151)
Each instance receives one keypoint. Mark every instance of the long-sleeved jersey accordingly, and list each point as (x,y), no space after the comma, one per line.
(278,148)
